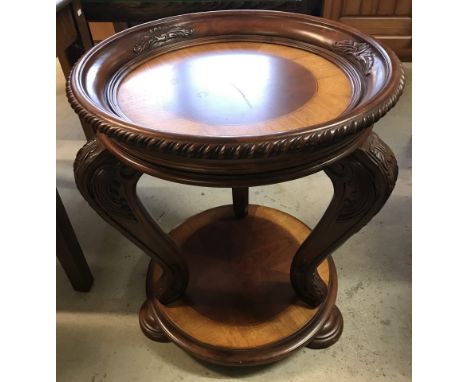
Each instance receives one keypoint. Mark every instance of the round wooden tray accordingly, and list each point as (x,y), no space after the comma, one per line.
(251,315)
(218,98)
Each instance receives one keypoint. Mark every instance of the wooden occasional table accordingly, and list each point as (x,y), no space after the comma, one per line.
(238,99)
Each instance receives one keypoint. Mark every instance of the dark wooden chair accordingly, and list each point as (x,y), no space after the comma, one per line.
(72,40)
(69,251)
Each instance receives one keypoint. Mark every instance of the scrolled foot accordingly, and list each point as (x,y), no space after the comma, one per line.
(149,324)
(330,332)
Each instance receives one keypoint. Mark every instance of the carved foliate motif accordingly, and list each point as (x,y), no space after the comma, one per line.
(110,194)
(360,52)
(159,36)
(383,155)
(357,195)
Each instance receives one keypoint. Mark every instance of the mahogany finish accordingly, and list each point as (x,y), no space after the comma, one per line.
(253,305)
(232,89)
(110,188)
(238,285)
(240,201)
(235,161)
(362,183)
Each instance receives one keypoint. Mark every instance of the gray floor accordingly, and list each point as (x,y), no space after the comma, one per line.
(98,337)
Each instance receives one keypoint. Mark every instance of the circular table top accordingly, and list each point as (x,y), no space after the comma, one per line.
(212,98)
(233,88)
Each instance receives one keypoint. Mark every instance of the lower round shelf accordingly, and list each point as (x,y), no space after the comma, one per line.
(240,307)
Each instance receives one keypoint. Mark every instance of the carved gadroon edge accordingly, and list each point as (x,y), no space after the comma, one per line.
(236,150)
(359,52)
(158,36)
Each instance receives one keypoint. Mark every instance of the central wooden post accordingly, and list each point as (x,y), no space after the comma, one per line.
(240,201)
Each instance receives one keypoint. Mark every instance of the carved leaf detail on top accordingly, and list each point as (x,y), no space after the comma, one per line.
(360,51)
(107,183)
(384,156)
(158,36)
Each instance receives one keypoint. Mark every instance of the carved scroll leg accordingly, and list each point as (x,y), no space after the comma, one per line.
(362,183)
(110,188)
(240,201)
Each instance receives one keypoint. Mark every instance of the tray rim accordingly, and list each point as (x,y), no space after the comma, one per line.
(123,72)
(239,147)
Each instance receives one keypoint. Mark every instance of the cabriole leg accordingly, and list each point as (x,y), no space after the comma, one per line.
(109,186)
(362,183)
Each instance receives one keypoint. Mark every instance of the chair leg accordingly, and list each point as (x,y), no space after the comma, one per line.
(69,251)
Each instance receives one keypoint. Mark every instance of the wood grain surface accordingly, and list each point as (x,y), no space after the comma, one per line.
(239,294)
(233,88)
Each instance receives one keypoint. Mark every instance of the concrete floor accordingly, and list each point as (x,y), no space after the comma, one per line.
(98,336)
